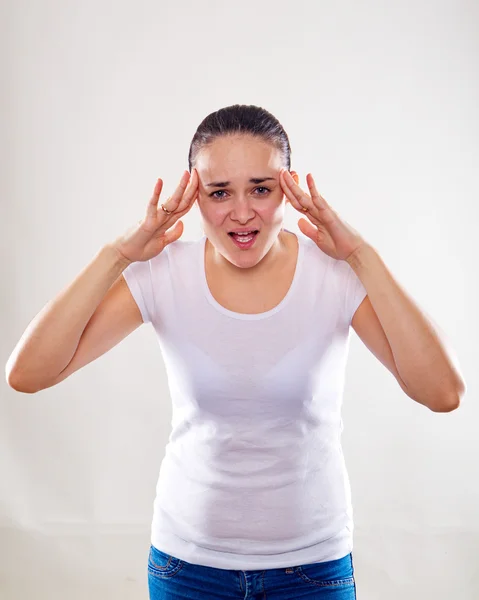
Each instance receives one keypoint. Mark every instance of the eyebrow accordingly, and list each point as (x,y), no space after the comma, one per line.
(226,183)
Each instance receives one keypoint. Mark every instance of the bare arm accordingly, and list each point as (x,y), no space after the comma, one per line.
(53,337)
(96,311)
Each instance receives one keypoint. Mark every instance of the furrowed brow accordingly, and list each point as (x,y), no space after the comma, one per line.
(226,183)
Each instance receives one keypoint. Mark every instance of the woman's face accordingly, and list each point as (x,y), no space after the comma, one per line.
(234,201)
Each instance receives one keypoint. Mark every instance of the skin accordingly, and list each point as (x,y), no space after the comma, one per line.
(236,159)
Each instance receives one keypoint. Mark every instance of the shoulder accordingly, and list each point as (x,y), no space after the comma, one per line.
(182,248)
(174,251)
(313,254)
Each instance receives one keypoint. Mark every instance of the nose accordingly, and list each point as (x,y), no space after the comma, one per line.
(243,209)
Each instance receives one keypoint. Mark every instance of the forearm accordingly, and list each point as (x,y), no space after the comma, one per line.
(423,359)
(51,339)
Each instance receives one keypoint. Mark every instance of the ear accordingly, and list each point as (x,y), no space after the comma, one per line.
(295,177)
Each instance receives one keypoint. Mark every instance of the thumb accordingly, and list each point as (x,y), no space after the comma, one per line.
(174,233)
(307,228)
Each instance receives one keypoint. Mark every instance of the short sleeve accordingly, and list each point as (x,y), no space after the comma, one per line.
(355,294)
(138,277)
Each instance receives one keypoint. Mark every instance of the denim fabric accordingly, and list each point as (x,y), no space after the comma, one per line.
(171,578)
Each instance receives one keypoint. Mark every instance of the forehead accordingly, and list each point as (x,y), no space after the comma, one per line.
(237,157)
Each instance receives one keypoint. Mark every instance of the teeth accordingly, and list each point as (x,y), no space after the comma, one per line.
(243,238)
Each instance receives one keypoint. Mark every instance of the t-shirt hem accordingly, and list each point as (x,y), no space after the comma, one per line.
(334,548)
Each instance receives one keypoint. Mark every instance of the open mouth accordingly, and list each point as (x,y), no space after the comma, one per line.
(244,240)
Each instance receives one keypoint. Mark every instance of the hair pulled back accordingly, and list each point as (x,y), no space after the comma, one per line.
(240,119)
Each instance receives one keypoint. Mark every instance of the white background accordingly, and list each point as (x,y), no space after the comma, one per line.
(99,99)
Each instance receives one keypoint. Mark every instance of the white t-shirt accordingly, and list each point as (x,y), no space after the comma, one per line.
(253,475)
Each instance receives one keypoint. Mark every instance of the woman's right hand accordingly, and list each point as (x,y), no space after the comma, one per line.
(153,233)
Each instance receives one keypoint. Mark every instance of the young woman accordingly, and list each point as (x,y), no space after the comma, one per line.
(253,497)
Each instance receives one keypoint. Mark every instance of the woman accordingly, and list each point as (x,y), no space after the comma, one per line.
(253,497)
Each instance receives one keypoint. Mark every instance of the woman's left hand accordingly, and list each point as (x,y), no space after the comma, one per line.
(334,236)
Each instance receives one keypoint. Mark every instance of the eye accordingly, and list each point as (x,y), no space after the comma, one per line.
(261,187)
(212,195)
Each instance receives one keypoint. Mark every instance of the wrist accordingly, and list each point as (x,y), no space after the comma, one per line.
(356,258)
(114,254)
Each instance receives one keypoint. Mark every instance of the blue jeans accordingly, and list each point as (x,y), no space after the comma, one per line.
(171,578)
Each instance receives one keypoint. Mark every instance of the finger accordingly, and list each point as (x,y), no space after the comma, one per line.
(183,207)
(287,192)
(301,197)
(188,198)
(153,203)
(297,197)
(172,203)
(316,197)
(190,192)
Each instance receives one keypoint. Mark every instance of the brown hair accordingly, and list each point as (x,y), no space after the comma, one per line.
(240,119)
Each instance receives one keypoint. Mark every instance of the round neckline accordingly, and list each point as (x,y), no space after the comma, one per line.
(249,316)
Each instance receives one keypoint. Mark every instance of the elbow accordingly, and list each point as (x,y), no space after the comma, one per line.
(446,407)
(18,385)
(24,389)
(452,402)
